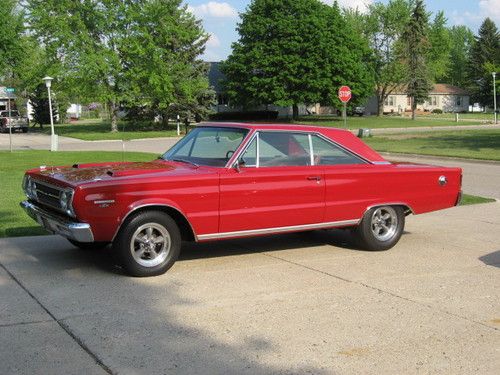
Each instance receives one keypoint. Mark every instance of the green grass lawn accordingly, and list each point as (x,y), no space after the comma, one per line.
(13,220)
(95,130)
(374,122)
(470,144)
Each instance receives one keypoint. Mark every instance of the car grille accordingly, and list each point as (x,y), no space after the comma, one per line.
(48,195)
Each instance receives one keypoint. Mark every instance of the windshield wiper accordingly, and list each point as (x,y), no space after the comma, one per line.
(185,161)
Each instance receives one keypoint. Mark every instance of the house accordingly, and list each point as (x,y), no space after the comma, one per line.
(216,78)
(4,99)
(445,97)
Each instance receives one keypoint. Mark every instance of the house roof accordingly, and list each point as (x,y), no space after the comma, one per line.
(438,89)
(215,76)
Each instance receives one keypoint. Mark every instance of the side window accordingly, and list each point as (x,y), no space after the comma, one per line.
(249,157)
(283,149)
(326,153)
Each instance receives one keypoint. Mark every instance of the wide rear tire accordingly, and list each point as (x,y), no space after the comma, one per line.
(148,244)
(381,228)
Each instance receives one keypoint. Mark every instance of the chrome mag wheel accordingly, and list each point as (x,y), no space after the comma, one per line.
(384,223)
(150,244)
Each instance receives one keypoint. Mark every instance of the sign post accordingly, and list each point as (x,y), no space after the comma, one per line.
(9,90)
(344,96)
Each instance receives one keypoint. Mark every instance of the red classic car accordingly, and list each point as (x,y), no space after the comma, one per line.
(236,180)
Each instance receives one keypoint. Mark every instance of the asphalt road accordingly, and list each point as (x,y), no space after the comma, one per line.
(304,303)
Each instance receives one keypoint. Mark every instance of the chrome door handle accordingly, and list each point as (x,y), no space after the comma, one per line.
(314,178)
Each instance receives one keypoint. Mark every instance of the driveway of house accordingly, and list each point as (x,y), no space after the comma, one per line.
(290,304)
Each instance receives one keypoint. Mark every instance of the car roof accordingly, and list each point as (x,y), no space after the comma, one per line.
(342,136)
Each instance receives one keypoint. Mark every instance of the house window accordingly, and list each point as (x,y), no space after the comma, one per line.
(434,100)
(390,100)
(459,101)
(408,101)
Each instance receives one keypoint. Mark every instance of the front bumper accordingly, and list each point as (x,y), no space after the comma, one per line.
(81,232)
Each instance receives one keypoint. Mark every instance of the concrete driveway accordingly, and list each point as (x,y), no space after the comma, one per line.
(290,304)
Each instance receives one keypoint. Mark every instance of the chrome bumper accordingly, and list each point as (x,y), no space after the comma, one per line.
(81,232)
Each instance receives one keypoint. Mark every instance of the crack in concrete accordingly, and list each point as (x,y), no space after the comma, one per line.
(25,323)
(379,290)
(61,324)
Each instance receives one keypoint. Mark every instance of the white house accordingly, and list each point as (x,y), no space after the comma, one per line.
(447,98)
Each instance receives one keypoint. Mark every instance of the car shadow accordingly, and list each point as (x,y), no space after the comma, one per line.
(491,259)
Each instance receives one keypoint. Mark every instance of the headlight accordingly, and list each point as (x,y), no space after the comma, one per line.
(29,187)
(66,199)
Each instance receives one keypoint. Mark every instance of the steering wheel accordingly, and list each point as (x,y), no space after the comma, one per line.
(229,154)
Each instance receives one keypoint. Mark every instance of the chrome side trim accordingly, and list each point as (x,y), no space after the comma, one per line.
(153,205)
(381,162)
(81,232)
(293,228)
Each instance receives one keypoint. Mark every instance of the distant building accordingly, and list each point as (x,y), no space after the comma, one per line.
(447,98)
(216,79)
(4,99)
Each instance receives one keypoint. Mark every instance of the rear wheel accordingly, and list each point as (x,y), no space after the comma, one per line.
(148,244)
(381,228)
(25,130)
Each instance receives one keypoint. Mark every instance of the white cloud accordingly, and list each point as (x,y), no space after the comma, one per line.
(213,41)
(361,5)
(213,9)
(490,8)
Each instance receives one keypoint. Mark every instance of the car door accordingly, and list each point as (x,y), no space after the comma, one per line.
(275,185)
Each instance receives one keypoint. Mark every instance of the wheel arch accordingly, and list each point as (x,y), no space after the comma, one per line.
(187,232)
(407,208)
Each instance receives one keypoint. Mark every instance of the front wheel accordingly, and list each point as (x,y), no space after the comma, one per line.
(148,244)
(381,227)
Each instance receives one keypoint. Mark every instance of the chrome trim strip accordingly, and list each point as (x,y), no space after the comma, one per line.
(105,201)
(81,232)
(381,162)
(254,232)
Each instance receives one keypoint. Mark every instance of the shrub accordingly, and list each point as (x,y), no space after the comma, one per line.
(437,111)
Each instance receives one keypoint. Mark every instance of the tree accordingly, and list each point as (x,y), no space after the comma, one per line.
(462,39)
(12,27)
(382,27)
(438,58)
(40,103)
(123,52)
(483,60)
(293,52)
(416,49)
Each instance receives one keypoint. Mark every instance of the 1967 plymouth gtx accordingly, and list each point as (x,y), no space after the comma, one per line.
(231,181)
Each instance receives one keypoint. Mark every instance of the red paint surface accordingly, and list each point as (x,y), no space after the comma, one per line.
(219,200)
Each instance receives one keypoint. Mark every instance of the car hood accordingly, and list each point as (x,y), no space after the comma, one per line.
(82,173)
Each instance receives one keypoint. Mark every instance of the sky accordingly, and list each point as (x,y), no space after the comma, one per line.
(220,17)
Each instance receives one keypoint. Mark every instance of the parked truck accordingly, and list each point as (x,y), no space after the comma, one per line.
(14,121)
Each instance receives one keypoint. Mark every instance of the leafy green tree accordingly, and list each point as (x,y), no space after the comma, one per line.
(462,39)
(483,60)
(438,59)
(416,49)
(40,103)
(383,27)
(123,52)
(12,28)
(291,52)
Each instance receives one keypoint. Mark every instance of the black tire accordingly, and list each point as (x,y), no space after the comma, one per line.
(89,245)
(25,130)
(381,228)
(147,233)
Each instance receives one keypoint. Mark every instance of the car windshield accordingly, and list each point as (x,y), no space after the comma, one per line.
(209,146)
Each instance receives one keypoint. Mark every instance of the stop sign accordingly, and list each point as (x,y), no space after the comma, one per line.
(345,94)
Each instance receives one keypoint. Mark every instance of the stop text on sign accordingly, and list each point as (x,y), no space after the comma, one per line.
(345,94)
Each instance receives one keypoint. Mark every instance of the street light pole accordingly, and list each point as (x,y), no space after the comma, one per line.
(53,137)
(494,74)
